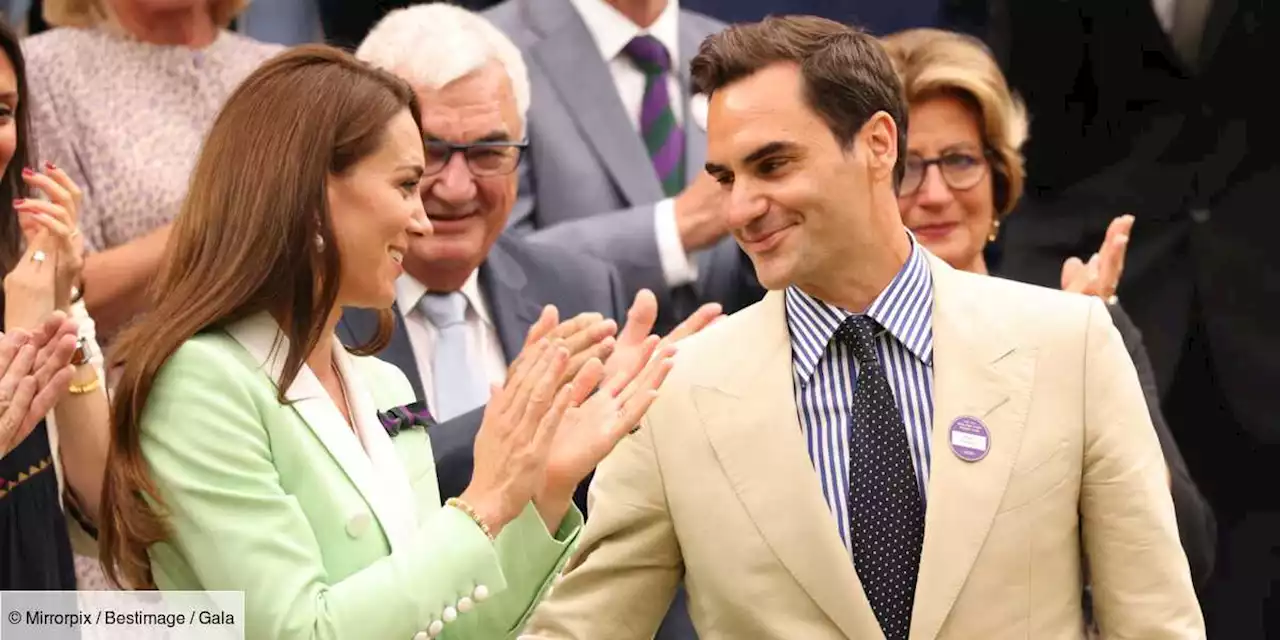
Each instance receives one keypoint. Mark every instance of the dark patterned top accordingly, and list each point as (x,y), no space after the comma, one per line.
(35,552)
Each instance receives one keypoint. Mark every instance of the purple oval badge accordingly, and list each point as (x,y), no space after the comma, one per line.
(970,440)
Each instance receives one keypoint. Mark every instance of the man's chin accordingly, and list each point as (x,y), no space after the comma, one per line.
(771,274)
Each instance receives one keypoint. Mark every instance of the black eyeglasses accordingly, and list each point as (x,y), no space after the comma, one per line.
(484,159)
(960,171)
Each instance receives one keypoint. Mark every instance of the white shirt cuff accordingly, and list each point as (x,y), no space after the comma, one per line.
(677,267)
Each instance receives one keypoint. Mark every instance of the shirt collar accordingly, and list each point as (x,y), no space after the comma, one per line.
(409,291)
(612,30)
(904,309)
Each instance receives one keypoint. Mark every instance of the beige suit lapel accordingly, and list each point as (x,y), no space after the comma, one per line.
(981,371)
(750,418)
(260,336)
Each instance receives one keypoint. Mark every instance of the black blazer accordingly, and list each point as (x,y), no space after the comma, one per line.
(517,279)
(1120,124)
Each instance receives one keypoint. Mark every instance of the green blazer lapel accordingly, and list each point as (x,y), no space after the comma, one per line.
(261,337)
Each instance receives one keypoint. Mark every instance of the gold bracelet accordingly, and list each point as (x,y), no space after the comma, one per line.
(466,508)
(81,389)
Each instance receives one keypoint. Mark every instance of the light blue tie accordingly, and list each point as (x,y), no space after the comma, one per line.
(460,385)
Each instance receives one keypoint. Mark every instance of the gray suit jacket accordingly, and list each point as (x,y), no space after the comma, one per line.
(587,181)
(517,279)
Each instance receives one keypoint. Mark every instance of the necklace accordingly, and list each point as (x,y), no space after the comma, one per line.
(342,389)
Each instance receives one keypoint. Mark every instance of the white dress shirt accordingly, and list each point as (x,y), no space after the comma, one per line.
(612,31)
(483,344)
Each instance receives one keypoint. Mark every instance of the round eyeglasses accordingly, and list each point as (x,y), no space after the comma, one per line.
(960,171)
(484,159)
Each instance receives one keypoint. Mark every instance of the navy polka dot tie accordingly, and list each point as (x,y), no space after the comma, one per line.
(886,513)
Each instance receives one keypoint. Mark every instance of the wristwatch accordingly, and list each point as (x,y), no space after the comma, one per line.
(84,352)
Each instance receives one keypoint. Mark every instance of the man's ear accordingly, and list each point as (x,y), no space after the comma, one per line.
(879,136)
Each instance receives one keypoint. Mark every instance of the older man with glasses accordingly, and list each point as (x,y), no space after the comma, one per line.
(471,296)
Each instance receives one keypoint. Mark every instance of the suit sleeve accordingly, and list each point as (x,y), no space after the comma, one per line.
(1197,526)
(626,238)
(1140,579)
(621,302)
(621,582)
(235,528)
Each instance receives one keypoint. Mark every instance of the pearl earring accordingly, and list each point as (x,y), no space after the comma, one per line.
(995,231)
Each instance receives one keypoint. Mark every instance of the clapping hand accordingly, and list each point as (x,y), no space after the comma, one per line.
(34,372)
(519,423)
(1101,275)
(630,351)
(586,336)
(590,431)
(55,221)
(632,376)
(572,393)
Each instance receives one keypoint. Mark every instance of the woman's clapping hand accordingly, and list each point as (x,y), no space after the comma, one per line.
(558,416)
(587,433)
(34,373)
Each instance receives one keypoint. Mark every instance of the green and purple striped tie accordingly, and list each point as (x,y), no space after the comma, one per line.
(663,137)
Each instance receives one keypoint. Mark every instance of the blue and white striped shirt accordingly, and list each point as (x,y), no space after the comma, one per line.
(825,372)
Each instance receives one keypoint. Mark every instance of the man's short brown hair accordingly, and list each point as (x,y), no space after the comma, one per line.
(847,74)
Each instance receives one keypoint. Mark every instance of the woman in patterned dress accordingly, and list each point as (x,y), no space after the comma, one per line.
(123,93)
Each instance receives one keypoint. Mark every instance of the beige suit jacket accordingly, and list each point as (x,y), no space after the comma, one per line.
(718,489)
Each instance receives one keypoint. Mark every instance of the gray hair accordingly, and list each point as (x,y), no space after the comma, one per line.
(431,45)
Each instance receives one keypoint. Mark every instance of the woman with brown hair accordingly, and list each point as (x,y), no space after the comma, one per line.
(965,121)
(252,453)
(123,92)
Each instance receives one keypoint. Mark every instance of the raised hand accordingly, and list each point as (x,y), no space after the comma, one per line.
(588,432)
(630,353)
(1101,275)
(516,432)
(29,287)
(700,213)
(586,336)
(58,217)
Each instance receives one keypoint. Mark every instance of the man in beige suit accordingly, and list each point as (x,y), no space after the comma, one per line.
(884,447)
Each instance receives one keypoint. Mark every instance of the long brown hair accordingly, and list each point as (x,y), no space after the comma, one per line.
(250,238)
(11,183)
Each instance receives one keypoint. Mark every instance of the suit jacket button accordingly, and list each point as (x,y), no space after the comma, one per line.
(465,604)
(357,525)
(1200,215)
(435,629)
(481,593)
